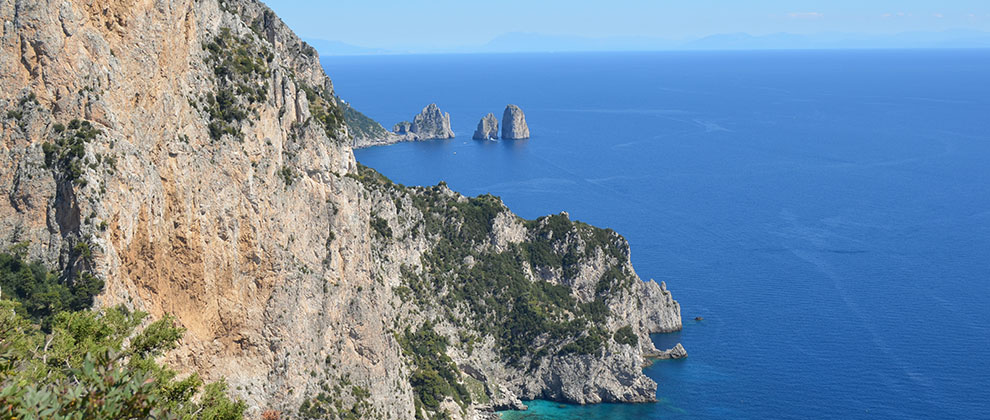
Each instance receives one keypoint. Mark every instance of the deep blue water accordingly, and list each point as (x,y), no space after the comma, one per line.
(827,213)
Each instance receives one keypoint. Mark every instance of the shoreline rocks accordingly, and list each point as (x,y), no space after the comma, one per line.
(678,352)
(514,124)
(487,128)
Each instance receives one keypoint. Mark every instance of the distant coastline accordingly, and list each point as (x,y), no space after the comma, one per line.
(539,43)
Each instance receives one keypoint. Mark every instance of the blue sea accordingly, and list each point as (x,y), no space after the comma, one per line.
(826,212)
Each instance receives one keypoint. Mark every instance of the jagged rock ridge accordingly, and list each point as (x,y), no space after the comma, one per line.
(310,283)
(430,124)
(487,128)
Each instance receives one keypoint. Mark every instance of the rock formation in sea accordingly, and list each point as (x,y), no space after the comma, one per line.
(514,124)
(429,124)
(487,128)
(678,352)
(403,128)
(199,155)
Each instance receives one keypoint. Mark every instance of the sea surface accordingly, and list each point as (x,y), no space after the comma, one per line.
(827,213)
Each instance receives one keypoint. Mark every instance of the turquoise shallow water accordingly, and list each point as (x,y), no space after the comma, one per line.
(827,213)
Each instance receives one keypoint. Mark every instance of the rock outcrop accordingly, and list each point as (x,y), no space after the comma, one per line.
(678,352)
(487,128)
(430,124)
(514,124)
(300,276)
(403,128)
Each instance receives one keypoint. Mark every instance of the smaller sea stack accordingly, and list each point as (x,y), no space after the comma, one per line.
(487,128)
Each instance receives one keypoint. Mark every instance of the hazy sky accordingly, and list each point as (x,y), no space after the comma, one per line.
(447,23)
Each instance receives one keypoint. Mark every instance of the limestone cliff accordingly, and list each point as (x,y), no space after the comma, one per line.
(194,155)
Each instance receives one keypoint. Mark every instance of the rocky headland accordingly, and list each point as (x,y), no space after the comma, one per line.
(430,124)
(514,124)
(487,128)
(317,287)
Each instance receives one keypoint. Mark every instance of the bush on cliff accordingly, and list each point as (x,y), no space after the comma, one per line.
(41,293)
(92,364)
(434,376)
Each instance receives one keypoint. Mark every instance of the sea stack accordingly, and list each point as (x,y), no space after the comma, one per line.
(514,124)
(430,124)
(487,128)
(677,352)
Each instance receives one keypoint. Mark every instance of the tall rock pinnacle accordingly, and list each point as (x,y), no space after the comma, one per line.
(514,124)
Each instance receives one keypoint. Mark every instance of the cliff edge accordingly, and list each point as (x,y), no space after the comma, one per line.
(197,153)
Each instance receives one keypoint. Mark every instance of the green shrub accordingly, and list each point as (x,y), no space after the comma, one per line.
(41,293)
(588,344)
(625,335)
(435,376)
(380,226)
(288,175)
(68,152)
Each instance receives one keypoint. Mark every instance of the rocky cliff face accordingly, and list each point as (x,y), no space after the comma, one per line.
(193,154)
(514,124)
(487,128)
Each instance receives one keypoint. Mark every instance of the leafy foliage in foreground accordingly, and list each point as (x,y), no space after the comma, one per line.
(94,365)
(41,293)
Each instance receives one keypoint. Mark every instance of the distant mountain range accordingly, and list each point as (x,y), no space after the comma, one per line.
(534,42)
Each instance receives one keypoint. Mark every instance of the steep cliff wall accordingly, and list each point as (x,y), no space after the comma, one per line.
(193,154)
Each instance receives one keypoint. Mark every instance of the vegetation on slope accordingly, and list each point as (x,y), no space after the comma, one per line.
(362,126)
(241,69)
(66,155)
(324,110)
(90,364)
(435,376)
(41,293)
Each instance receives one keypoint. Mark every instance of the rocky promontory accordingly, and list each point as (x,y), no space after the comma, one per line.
(430,124)
(487,128)
(514,124)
